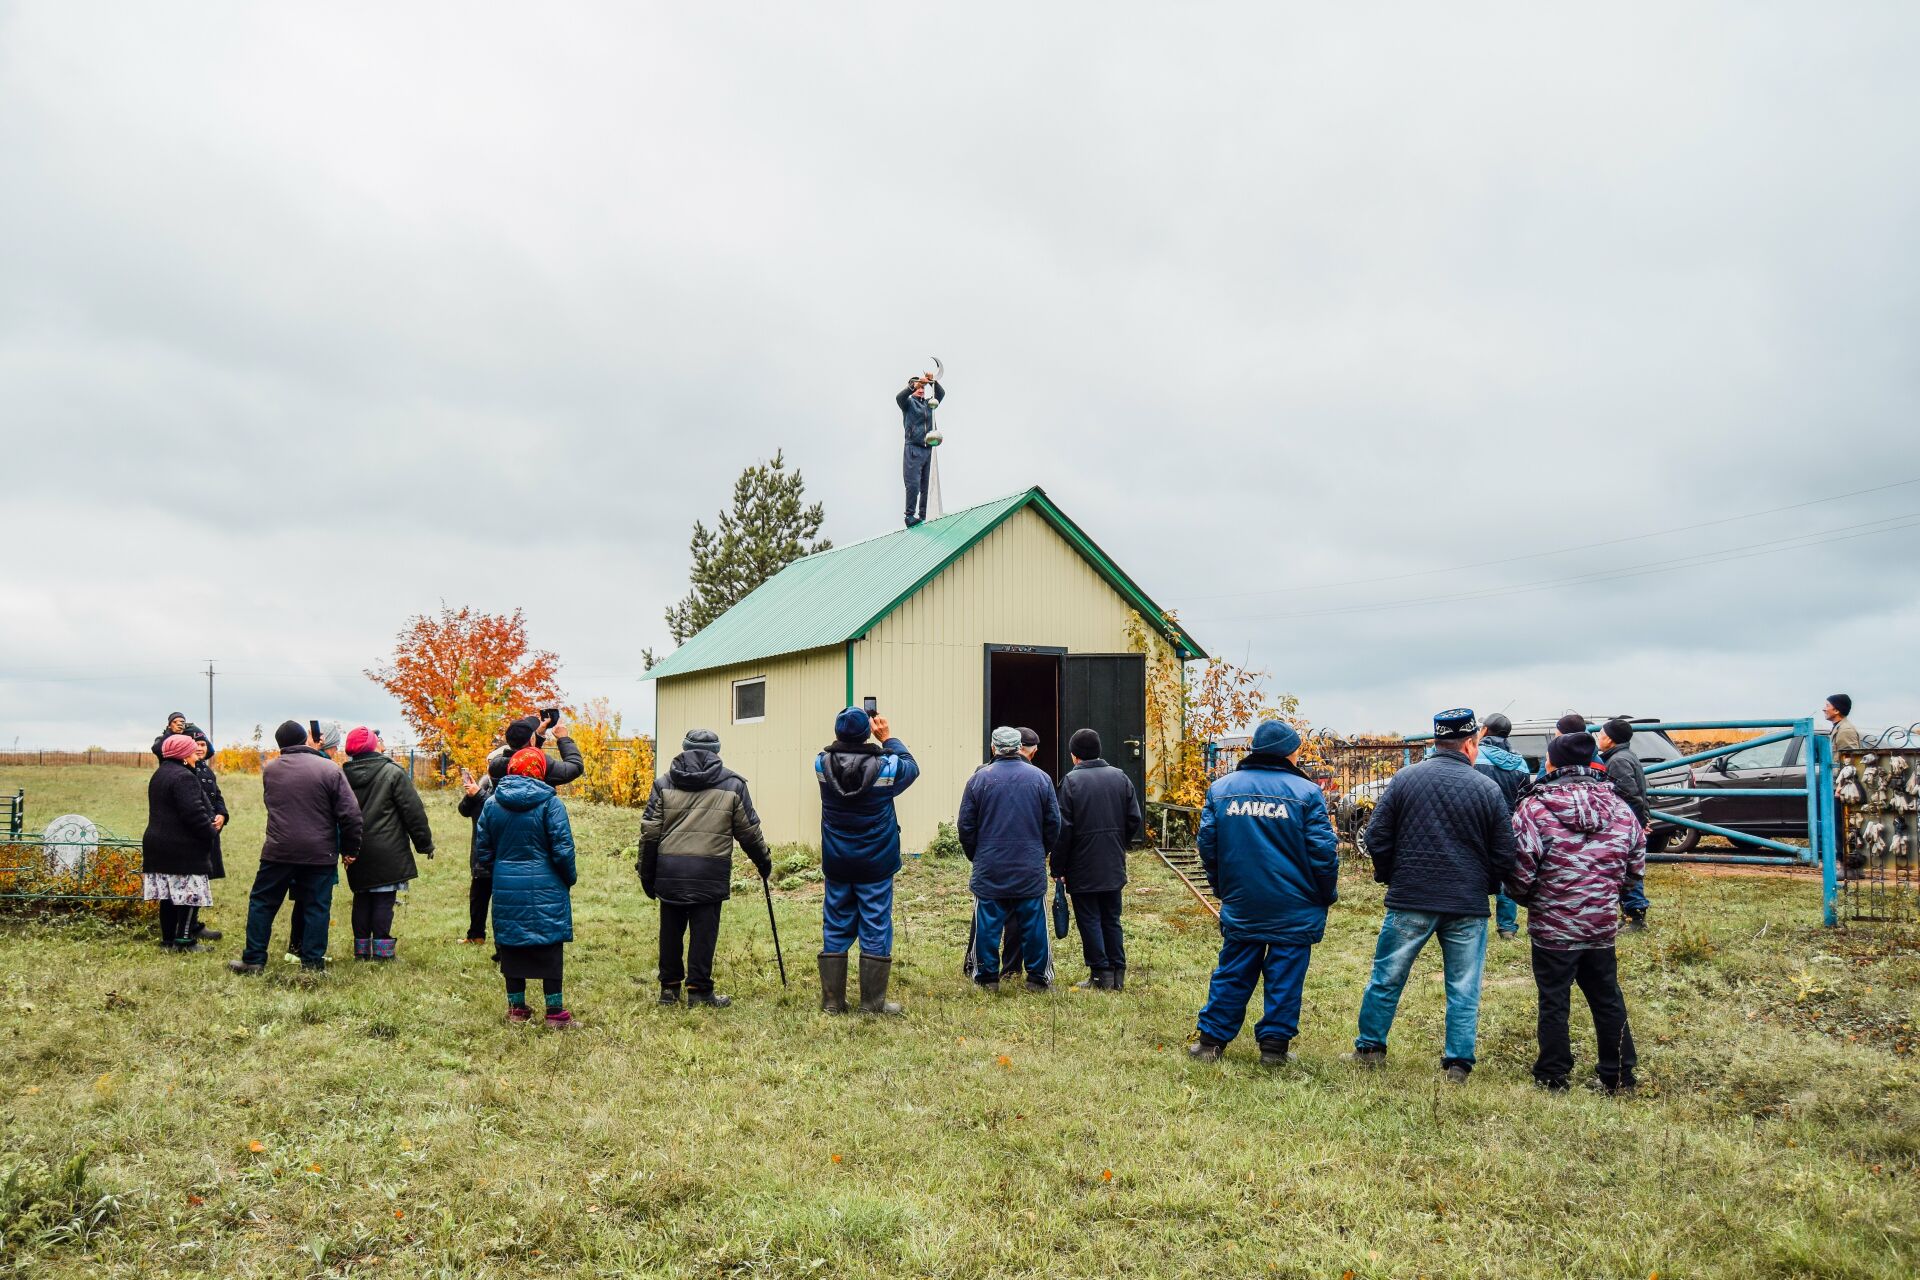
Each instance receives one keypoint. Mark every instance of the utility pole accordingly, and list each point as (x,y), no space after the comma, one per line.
(210,704)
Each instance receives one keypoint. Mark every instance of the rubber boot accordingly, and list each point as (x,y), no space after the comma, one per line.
(1097,980)
(383,948)
(874,974)
(363,948)
(1117,978)
(833,983)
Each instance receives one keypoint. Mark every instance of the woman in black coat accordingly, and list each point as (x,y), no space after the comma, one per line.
(210,784)
(176,850)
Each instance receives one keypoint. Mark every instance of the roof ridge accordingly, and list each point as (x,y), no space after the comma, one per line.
(894,533)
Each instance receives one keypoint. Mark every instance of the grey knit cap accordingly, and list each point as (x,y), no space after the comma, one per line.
(332,734)
(1006,742)
(701,740)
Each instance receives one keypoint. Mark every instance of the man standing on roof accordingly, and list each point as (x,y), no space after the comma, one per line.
(917,403)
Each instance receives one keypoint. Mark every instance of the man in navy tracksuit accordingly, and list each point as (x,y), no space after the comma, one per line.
(1008,820)
(859,855)
(1272,859)
(917,402)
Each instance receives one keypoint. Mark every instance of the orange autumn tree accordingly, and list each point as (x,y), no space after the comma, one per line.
(459,675)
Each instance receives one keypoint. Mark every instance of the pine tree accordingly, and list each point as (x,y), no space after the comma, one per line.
(767,530)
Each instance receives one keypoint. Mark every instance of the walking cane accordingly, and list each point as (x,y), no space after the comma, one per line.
(768,889)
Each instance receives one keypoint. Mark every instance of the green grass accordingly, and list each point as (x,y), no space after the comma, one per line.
(404,1130)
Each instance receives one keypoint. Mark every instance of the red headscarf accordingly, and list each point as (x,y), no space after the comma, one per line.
(530,762)
(178,746)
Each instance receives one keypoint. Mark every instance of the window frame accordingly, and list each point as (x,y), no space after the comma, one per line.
(733,700)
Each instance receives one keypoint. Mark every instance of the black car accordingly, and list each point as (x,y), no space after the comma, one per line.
(1529,739)
(1770,766)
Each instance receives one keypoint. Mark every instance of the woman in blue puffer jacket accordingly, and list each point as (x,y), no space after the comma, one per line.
(524,841)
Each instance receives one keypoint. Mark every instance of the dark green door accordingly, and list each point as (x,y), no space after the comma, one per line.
(1107,692)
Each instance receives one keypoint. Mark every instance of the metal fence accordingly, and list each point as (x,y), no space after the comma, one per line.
(76,864)
(1877,796)
(37,758)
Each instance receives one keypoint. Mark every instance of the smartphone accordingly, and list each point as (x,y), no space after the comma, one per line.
(466,774)
(550,716)
(872,706)
(314,725)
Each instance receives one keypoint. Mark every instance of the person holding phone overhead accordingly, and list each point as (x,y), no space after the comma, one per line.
(524,842)
(480,890)
(533,731)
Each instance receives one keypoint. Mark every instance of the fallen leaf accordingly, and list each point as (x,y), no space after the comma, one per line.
(313,1168)
(1004,1060)
(1106,1175)
(399,1214)
(256,1146)
(195,1200)
(33,1088)
(835,1157)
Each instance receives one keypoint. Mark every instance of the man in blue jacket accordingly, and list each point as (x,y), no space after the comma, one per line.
(1441,840)
(1509,772)
(1273,861)
(859,855)
(1008,820)
(917,403)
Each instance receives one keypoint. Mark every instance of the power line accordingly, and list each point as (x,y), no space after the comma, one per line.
(1746,551)
(1558,551)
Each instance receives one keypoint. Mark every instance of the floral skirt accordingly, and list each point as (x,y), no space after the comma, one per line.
(182,891)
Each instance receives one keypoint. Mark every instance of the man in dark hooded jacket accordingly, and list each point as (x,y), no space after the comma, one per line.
(1099,818)
(1270,854)
(859,855)
(526,732)
(1009,817)
(694,817)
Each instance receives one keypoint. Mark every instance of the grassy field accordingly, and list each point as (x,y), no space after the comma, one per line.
(383,1121)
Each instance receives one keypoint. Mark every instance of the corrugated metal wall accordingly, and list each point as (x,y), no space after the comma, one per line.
(925,663)
(1022,584)
(804,691)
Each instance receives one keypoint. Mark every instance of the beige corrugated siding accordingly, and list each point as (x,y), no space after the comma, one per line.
(804,690)
(1022,584)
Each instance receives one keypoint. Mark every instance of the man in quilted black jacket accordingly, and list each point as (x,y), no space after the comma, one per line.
(1441,842)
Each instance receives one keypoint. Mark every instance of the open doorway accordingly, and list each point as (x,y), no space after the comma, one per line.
(1023,691)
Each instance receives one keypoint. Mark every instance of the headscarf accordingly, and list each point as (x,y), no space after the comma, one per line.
(530,762)
(179,746)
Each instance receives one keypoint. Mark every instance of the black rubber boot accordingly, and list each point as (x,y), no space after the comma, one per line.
(669,993)
(1273,1052)
(833,983)
(711,999)
(875,972)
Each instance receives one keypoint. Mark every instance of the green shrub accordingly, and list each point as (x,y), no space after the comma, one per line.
(945,843)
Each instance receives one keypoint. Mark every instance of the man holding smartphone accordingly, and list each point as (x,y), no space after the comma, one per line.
(859,855)
(533,731)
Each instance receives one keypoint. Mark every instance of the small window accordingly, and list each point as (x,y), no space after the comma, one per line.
(750,700)
(1773,755)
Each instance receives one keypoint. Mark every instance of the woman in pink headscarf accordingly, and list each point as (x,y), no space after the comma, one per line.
(176,850)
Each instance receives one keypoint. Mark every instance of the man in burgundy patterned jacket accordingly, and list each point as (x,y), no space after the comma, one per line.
(1577,844)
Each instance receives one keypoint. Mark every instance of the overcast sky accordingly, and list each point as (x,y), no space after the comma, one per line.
(312,317)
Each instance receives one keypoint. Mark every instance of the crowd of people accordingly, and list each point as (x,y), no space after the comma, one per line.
(1469,825)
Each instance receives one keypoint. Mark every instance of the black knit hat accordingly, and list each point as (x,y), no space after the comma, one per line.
(291,733)
(1028,738)
(1572,722)
(1841,703)
(1572,750)
(1619,729)
(520,732)
(1084,744)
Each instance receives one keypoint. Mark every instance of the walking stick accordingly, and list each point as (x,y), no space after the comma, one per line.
(768,889)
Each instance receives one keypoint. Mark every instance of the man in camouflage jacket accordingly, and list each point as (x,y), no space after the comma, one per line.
(1577,844)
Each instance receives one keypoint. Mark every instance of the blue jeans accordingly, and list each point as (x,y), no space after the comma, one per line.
(1506,914)
(1284,971)
(1633,894)
(994,916)
(865,910)
(1463,953)
(311,889)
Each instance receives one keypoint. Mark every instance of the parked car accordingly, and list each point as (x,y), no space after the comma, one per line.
(1652,745)
(1770,766)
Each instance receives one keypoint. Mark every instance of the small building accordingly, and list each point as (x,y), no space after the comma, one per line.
(1004,613)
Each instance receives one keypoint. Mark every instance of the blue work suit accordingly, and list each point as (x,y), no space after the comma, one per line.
(860,842)
(1271,856)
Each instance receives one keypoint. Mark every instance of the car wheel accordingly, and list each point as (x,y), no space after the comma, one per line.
(1682,840)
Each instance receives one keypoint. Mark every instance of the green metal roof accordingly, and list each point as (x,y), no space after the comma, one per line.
(841,594)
